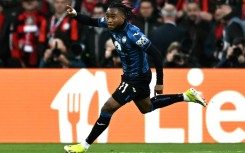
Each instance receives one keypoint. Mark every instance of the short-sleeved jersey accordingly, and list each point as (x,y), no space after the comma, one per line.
(131,45)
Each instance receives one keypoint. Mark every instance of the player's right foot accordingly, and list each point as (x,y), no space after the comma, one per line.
(78,148)
(194,96)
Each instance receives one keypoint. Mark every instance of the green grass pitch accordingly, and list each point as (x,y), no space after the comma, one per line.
(128,148)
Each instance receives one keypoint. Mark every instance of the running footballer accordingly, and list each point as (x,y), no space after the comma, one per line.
(132,47)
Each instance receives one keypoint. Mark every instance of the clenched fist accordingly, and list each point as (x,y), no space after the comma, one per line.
(70,11)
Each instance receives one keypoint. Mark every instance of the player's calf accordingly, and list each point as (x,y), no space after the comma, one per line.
(144,105)
(190,95)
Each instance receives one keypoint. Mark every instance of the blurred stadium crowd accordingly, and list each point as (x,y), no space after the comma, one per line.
(189,33)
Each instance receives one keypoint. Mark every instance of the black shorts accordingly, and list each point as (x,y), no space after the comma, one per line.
(135,89)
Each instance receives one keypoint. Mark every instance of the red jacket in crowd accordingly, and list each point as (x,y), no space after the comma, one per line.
(1,21)
(29,37)
(66,29)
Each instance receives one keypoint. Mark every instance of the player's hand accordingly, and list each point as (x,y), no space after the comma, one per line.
(158,89)
(70,11)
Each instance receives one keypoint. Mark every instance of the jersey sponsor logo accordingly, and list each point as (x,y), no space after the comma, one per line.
(142,41)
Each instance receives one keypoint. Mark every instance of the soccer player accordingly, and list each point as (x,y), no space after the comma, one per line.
(132,47)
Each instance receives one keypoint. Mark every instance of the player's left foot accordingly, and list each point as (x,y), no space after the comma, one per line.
(78,148)
(196,97)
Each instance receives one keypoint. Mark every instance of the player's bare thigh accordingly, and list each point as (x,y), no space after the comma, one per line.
(144,105)
(110,106)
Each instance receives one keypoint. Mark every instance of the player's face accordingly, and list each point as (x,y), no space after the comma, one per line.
(114,18)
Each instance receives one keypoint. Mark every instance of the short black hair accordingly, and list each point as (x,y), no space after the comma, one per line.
(194,2)
(125,8)
(100,5)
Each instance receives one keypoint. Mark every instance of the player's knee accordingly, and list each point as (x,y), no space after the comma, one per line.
(144,111)
(107,108)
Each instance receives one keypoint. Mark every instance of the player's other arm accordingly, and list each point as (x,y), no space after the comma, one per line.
(84,19)
(145,44)
(157,58)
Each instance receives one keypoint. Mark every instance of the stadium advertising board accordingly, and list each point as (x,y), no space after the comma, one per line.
(62,105)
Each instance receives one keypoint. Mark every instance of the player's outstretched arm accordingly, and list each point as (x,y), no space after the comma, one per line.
(84,19)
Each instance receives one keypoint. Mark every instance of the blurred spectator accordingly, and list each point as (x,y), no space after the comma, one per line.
(203,13)
(201,33)
(217,24)
(243,9)
(62,26)
(235,55)
(8,13)
(1,18)
(232,24)
(235,4)
(55,56)
(111,56)
(46,7)
(11,7)
(52,54)
(25,34)
(169,30)
(75,56)
(146,20)
(233,28)
(178,57)
(94,40)
(29,35)
(84,6)
(173,59)
(13,63)
(205,5)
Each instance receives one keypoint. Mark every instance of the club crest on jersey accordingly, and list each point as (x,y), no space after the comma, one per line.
(142,41)
(124,39)
(118,46)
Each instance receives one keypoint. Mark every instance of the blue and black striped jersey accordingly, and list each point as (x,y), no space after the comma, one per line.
(131,45)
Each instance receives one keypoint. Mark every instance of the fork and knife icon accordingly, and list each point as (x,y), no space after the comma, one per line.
(73,109)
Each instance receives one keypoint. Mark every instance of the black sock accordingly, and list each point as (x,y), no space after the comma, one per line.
(165,100)
(100,125)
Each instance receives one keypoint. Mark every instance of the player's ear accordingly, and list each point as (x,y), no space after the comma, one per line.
(123,17)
